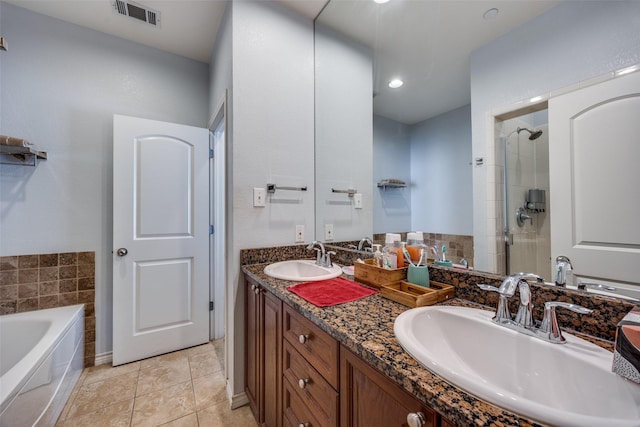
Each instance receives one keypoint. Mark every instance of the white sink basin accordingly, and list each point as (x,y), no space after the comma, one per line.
(302,270)
(567,384)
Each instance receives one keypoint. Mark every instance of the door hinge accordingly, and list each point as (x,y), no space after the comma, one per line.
(210,229)
(210,153)
(210,305)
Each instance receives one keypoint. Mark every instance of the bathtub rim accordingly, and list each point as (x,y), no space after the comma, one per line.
(61,322)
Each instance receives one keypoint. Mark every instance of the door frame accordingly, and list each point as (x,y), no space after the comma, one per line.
(217,214)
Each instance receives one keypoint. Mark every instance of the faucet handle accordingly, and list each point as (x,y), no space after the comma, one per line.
(327,258)
(550,325)
(502,311)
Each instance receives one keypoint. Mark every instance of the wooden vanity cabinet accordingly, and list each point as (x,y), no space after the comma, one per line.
(368,398)
(298,375)
(310,373)
(263,364)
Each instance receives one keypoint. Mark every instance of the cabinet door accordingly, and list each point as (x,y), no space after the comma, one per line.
(272,341)
(368,398)
(253,348)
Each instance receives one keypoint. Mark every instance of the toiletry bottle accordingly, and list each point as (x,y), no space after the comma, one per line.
(415,242)
(390,251)
(400,253)
(377,255)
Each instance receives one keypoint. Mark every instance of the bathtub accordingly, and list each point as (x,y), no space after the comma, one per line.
(41,358)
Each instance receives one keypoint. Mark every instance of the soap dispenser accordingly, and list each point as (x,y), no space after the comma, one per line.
(377,255)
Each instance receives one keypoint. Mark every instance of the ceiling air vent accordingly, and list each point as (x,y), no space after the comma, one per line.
(136,11)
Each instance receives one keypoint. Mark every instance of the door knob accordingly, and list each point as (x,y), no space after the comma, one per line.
(122,252)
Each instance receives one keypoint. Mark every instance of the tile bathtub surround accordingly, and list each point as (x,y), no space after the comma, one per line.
(40,281)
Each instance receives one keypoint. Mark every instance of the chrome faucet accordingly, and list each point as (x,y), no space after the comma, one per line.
(523,320)
(363,241)
(563,267)
(323,258)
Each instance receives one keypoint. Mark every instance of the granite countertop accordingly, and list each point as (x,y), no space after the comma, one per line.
(366,328)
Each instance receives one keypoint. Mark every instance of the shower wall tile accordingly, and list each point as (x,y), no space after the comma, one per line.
(41,281)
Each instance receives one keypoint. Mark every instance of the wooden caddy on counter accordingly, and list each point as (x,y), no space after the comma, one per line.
(393,285)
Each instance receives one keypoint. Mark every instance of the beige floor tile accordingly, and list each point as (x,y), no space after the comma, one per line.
(204,364)
(165,405)
(222,415)
(165,374)
(153,362)
(116,415)
(204,348)
(102,372)
(100,394)
(190,420)
(210,390)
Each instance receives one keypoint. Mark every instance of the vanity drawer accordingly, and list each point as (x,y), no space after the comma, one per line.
(316,393)
(295,413)
(315,345)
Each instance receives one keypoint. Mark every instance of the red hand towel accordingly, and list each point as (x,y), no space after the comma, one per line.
(325,293)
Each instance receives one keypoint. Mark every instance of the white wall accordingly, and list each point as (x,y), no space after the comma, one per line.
(344,135)
(391,159)
(572,42)
(441,196)
(61,85)
(273,141)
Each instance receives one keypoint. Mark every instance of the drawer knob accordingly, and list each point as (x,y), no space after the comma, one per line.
(416,419)
(303,425)
(303,338)
(302,382)
(253,287)
(256,290)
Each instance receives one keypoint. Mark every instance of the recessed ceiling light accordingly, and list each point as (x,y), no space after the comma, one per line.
(491,13)
(395,83)
(381,1)
(627,70)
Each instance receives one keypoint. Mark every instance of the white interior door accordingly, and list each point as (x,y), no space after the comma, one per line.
(160,237)
(595,179)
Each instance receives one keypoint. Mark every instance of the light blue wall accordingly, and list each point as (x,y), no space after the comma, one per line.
(572,42)
(61,85)
(273,140)
(391,159)
(441,195)
(434,157)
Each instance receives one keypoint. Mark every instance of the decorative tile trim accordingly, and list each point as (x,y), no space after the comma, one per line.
(41,281)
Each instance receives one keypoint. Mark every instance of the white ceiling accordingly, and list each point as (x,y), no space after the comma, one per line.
(426,42)
(187,27)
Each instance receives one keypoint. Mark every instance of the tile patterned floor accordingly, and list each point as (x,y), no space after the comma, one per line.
(181,389)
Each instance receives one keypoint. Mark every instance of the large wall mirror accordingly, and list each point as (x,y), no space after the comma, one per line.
(427,133)
(405,152)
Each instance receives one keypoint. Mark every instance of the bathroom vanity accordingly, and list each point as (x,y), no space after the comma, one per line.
(342,365)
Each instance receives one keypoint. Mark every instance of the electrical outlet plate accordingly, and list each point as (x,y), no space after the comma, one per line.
(357,201)
(299,233)
(328,232)
(259,196)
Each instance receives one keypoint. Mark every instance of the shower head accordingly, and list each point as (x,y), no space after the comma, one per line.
(535,134)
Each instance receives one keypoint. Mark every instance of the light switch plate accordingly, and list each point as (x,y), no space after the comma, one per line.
(357,200)
(328,232)
(299,233)
(259,196)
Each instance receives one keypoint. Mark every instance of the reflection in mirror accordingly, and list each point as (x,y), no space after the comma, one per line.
(421,131)
(427,133)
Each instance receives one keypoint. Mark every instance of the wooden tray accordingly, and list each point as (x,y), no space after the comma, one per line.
(415,295)
(375,276)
